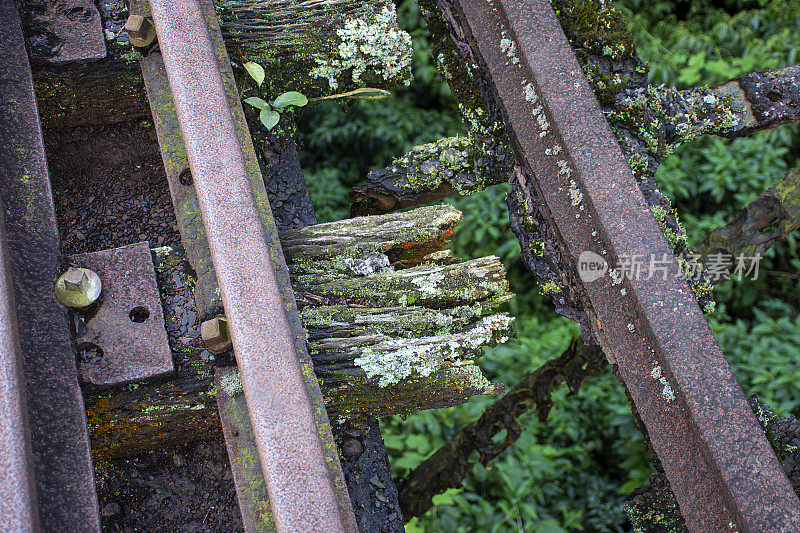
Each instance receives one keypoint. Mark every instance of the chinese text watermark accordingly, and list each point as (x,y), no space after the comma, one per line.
(715,267)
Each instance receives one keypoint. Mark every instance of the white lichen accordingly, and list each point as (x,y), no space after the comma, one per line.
(576,196)
(667,393)
(563,168)
(375,44)
(370,264)
(395,360)
(162,251)
(530,93)
(510,49)
(429,283)
(231,383)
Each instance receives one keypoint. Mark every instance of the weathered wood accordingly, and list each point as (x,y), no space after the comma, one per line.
(767,220)
(317,48)
(448,167)
(384,339)
(428,173)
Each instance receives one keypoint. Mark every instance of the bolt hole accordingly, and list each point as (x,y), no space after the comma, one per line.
(90,352)
(774,96)
(186,177)
(139,314)
(79,14)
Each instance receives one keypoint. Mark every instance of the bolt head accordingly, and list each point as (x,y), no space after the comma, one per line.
(78,287)
(352,448)
(141,31)
(215,335)
(76,279)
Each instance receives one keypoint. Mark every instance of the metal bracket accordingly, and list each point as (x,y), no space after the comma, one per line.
(124,338)
(73,30)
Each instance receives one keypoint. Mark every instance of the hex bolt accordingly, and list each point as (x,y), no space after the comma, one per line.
(76,279)
(78,287)
(141,31)
(215,335)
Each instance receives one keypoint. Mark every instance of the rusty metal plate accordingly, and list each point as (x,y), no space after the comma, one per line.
(720,466)
(124,339)
(59,435)
(65,32)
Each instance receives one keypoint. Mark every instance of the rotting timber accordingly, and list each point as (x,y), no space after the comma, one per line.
(394,326)
(316,48)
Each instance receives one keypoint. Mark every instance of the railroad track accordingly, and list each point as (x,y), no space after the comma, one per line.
(571,182)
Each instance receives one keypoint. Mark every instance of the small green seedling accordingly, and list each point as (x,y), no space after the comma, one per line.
(271,113)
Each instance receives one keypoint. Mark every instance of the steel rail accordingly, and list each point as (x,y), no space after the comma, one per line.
(721,468)
(249,266)
(62,468)
(18,507)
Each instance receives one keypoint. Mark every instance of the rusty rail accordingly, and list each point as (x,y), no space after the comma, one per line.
(18,508)
(253,281)
(62,467)
(721,467)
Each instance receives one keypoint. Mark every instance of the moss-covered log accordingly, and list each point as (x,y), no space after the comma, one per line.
(428,173)
(449,166)
(392,328)
(313,47)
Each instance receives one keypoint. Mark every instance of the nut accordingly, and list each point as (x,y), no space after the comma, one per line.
(141,31)
(215,335)
(78,287)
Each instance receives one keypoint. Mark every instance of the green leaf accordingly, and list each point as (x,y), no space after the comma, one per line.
(697,60)
(289,98)
(365,93)
(256,72)
(446,498)
(256,102)
(269,118)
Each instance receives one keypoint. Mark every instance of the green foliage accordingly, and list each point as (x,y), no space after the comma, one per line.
(572,472)
(707,45)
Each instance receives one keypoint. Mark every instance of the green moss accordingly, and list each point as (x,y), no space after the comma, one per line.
(549,288)
(595,25)
(132,57)
(537,247)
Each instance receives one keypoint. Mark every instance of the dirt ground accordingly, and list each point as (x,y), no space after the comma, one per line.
(110,190)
